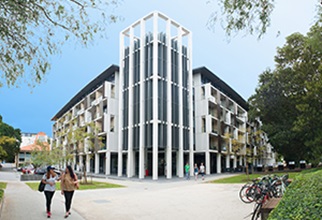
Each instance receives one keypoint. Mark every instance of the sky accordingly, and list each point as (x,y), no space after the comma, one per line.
(238,61)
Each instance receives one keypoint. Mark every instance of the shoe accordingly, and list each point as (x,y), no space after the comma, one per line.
(67,214)
(48,214)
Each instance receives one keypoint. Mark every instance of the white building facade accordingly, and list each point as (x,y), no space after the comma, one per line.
(156,94)
(154,112)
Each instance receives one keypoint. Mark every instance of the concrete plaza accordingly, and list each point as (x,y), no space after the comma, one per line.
(163,199)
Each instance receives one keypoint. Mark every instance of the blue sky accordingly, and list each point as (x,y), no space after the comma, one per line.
(238,62)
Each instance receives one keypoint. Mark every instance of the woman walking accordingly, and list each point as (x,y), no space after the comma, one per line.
(49,179)
(202,171)
(196,171)
(68,185)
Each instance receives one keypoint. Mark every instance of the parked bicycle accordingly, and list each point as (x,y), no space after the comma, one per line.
(261,190)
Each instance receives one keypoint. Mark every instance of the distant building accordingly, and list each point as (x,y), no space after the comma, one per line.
(154,112)
(263,152)
(30,142)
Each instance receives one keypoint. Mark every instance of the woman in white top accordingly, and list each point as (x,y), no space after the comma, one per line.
(202,171)
(49,179)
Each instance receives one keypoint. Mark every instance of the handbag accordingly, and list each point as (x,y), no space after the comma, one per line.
(41,186)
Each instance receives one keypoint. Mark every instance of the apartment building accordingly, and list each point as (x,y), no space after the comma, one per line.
(96,103)
(155,113)
(220,116)
(257,140)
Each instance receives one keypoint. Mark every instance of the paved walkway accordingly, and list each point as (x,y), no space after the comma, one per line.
(143,200)
(146,200)
(21,202)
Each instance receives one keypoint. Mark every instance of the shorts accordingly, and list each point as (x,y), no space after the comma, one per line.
(196,173)
(202,174)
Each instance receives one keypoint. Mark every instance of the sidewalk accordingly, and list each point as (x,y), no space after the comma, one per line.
(147,199)
(21,202)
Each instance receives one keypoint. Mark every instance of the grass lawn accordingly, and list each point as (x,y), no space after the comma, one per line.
(90,185)
(242,178)
(3,185)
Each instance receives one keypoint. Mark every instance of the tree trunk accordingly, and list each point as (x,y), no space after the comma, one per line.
(85,175)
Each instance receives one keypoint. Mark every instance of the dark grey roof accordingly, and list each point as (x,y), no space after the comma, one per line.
(87,89)
(222,86)
(218,83)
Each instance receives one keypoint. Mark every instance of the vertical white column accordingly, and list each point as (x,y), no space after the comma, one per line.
(218,162)
(189,55)
(88,164)
(235,161)
(108,163)
(155,96)
(97,163)
(180,158)
(241,161)
(169,103)
(227,161)
(142,113)
(130,154)
(207,164)
(120,124)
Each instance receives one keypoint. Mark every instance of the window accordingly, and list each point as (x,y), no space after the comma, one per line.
(203,124)
(112,91)
(112,123)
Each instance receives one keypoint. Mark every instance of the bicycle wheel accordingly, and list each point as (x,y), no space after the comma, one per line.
(243,194)
(254,193)
(257,212)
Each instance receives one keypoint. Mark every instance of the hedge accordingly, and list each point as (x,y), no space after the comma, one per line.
(2,186)
(1,194)
(302,200)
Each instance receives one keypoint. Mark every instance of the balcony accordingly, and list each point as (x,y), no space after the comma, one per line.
(213,147)
(97,101)
(212,99)
(80,112)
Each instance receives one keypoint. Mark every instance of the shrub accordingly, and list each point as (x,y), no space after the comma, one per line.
(302,200)
(1,194)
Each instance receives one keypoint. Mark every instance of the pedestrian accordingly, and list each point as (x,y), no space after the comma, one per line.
(187,169)
(196,171)
(202,171)
(68,185)
(49,178)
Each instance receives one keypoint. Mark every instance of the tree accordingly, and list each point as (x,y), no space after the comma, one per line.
(10,140)
(78,139)
(31,31)
(250,16)
(43,155)
(289,99)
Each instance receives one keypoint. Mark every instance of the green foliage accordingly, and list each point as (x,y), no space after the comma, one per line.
(248,15)
(10,140)
(44,156)
(288,99)
(302,200)
(30,31)
(1,194)
(252,17)
(82,186)
(77,139)
(2,186)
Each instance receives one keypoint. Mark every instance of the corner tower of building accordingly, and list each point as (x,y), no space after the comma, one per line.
(156,92)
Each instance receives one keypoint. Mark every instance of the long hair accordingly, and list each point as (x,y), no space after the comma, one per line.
(71,172)
(48,174)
